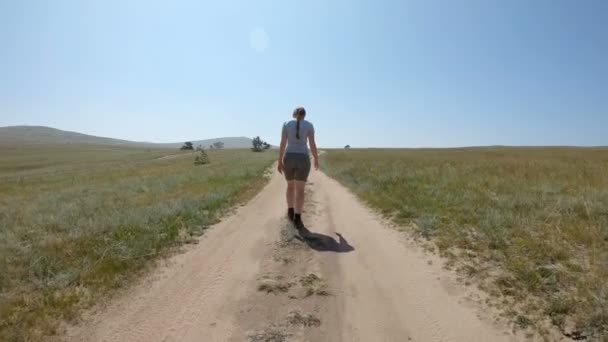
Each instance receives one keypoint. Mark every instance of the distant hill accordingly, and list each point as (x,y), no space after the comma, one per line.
(48,135)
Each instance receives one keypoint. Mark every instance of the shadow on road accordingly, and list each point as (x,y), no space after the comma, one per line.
(323,243)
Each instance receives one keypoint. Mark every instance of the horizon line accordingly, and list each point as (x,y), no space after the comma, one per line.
(332,147)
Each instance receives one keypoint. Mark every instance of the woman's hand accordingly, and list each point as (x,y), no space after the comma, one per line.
(316,164)
(280,167)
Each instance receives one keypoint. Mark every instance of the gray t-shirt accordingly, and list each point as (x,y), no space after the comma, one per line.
(295,145)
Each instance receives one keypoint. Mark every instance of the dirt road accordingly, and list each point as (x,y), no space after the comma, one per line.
(249,280)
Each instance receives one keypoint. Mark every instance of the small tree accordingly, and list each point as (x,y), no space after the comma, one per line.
(201,158)
(199,148)
(187,146)
(347,147)
(218,144)
(259,145)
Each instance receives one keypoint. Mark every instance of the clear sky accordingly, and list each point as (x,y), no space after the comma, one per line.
(370,73)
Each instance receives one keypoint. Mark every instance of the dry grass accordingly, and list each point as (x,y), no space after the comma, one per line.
(274,286)
(270,334)
(78,221)
(531,224)
(314,285)
(307,320)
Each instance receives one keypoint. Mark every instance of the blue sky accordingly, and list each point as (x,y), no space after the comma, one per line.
(370,73)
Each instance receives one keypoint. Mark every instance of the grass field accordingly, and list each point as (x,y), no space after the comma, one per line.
(529,225)
(79,221)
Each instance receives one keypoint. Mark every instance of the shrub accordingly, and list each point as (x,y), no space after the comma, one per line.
(259,145)
(201,158)
(187,146)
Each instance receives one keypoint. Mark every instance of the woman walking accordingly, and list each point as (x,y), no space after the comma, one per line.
(294,161)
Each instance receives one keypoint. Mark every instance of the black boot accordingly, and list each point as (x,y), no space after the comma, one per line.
(297,221)
(290,214)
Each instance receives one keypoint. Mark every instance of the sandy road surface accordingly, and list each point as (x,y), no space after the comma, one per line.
(249,280)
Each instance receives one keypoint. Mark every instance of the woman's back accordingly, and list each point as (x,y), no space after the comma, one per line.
(295,145)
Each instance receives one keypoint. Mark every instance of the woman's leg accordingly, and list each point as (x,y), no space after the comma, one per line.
(291,191)
(301,175)
(299,196)
(289,172)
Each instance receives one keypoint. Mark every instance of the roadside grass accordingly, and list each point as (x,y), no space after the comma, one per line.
(530,224)
(77,222)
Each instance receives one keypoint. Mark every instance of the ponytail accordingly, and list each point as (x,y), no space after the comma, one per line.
(299,114)
(298,129)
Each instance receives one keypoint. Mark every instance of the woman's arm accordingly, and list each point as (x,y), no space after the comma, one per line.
(313,148)
(282,150)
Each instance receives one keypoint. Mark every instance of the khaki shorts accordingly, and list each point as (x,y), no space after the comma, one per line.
(296,166)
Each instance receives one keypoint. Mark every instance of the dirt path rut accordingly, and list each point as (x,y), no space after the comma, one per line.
(250,279)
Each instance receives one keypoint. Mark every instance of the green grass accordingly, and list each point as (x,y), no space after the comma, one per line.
(530,224)
(77,222)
